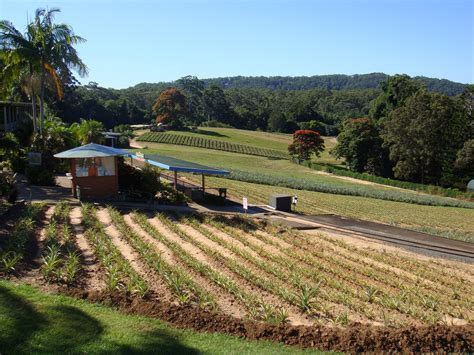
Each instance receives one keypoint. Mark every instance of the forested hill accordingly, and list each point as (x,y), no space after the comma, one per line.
(329,82)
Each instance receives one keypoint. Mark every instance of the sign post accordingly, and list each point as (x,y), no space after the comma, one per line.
(34,158)
(295,202)
(245,204)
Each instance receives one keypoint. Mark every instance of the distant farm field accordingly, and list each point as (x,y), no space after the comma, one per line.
(451,222)
(194,141)
(268,142)
(228,160)
(285,173)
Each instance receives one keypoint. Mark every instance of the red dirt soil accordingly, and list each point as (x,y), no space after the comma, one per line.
(354,338)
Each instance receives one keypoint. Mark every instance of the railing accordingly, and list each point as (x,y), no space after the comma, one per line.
(193,190)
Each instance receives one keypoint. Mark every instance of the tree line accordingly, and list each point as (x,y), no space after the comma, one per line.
(329,82)
(412,134)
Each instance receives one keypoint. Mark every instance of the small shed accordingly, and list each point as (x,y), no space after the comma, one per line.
(94,169)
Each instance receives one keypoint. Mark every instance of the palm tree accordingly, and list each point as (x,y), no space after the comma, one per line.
(88,131)
(19,57)
(48,50)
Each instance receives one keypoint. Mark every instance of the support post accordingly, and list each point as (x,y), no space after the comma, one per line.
(175,182)
(203,185)
(5,118)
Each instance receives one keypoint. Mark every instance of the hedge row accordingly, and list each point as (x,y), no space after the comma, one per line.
(430,189)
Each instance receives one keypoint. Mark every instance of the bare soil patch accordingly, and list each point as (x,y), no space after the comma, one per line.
(91,270)
(354,338)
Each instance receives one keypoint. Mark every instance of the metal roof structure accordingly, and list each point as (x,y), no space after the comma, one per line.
(178,165)
(91,150)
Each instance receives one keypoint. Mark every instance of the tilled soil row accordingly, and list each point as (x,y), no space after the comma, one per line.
(354,338)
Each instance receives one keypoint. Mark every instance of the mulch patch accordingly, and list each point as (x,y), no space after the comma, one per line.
(354,338)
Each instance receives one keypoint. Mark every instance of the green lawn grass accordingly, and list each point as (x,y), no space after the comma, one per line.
(35,322)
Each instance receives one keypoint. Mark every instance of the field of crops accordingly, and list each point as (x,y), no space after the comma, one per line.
(287,174)
(334,187)
(193,141)
(450,222)
(251,269)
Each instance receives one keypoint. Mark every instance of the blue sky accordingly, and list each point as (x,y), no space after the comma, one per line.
(129,42)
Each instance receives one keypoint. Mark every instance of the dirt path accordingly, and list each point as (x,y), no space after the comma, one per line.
(152,280)
(90,264)
(134,144)
(225,302)
(42,235)
(359,181)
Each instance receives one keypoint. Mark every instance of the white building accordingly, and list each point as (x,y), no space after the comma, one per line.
(12,113)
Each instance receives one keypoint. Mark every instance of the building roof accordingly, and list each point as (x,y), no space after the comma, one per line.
(111,134)
(179,165)
(91,150)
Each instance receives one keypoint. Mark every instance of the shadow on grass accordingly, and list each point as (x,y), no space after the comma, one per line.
(209,133)
(48,328)
(18,320)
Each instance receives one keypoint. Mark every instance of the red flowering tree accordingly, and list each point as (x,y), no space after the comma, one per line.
(306,143)
(170,107)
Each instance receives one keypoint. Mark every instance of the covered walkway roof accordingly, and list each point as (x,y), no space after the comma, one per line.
(177,165)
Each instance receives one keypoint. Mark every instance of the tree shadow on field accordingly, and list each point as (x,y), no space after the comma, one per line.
(64,329)
(157,342)
(209,133)
(18,320)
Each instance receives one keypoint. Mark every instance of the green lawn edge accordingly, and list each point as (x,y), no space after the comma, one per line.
(32,321)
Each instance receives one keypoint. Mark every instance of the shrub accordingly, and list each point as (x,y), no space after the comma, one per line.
(217,124)
(38,175)
(8,189)
(145,183)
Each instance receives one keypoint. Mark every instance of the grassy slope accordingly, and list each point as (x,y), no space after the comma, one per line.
(34,322)
(249,163)
(276,141)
